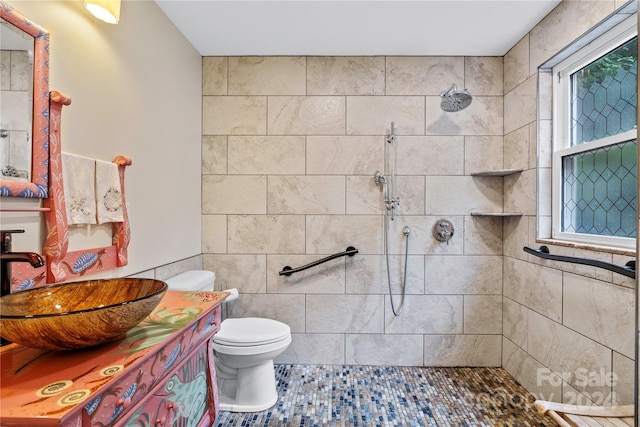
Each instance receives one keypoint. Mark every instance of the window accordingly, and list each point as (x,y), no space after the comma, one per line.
(594,159)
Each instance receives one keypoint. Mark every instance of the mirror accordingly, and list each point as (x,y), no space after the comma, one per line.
(24,101)
(16,98)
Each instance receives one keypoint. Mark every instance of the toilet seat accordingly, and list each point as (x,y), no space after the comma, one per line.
(251,332)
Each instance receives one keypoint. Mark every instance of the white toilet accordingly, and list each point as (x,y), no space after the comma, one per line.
(193,281)
(244,349)
(244,352)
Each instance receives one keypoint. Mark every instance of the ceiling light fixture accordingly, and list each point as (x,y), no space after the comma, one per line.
(105,10)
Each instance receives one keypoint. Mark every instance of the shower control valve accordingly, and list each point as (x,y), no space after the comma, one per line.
(393,203)
(443,230)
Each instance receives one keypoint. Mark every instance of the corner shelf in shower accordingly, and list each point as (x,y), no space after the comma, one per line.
(497,172)
(500,173)
(498,214)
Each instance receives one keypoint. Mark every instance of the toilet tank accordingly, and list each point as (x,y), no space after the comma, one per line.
(193,280)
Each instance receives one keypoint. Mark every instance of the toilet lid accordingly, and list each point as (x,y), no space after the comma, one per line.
(250,331)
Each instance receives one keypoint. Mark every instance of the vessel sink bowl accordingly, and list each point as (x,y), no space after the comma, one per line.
(78,314)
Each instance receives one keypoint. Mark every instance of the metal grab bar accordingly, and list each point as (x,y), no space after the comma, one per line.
(288,271)
(629,269)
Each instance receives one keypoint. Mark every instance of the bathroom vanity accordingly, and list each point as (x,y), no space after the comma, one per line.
(161,373)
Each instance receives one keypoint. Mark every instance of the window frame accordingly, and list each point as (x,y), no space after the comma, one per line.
(561,137)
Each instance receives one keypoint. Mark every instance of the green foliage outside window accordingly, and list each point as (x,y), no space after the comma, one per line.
(600,185)
(623,57)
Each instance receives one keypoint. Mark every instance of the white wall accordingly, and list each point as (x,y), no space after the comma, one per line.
(136,91)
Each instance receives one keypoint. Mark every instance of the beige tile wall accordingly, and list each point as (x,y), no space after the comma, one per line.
(290,147)
(561,322)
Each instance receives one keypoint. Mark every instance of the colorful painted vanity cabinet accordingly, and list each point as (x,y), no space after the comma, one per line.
(160,374)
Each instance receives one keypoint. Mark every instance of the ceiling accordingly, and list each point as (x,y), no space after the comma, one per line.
(355,27)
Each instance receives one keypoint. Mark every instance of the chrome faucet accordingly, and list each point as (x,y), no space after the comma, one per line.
(7,257)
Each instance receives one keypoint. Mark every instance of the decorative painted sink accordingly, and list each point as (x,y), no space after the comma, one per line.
(79,314)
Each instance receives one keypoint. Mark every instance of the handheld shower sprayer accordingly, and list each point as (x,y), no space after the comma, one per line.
(391,138)
(391,203)
(390,199)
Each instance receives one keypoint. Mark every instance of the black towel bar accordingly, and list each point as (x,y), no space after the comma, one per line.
(288,271)
(629,269)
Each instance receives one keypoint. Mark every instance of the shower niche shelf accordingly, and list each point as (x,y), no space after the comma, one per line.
(498,214)
(497,172)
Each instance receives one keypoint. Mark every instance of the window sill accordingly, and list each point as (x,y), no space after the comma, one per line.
(606,249)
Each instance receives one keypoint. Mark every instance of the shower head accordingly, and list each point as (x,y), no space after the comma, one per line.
(455,100)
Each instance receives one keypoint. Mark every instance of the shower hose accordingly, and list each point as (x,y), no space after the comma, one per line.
(396,311)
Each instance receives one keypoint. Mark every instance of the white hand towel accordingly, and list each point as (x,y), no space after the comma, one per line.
(78,174)
(108,194)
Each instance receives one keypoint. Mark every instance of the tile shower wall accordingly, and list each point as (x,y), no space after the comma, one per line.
(290,146)
(566,327)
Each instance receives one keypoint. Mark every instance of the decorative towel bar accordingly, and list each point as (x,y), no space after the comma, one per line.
(629,269)
(288,271)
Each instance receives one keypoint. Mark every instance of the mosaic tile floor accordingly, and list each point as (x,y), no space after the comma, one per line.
(314,395)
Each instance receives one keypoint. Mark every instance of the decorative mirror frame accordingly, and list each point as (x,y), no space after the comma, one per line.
(39,185)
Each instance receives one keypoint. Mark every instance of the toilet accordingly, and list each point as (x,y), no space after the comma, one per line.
(244,349)
(193,281)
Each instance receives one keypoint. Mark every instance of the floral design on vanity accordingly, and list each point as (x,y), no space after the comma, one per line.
(161,373)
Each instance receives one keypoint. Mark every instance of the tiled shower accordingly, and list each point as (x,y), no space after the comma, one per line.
(289,149)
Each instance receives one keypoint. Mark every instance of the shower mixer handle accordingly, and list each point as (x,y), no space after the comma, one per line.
(393,203)
(443,231)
